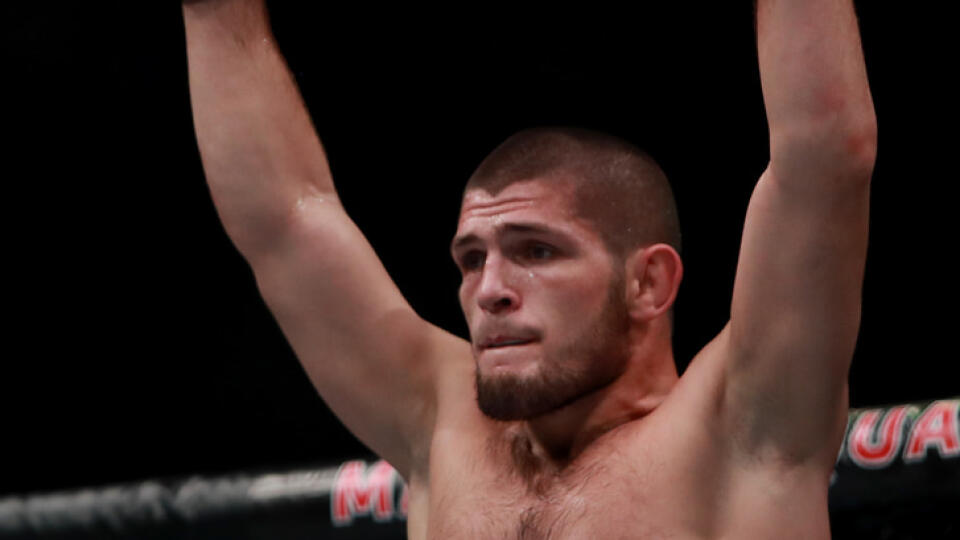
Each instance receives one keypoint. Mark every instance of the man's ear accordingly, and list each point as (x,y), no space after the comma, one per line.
(653,275)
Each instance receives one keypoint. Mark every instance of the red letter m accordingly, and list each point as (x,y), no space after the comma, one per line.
(359,491)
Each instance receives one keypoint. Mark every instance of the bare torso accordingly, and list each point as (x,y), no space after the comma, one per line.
(671,474)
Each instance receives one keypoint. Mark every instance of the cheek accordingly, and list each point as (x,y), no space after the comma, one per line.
(465,296)
(573,306)
(462,297)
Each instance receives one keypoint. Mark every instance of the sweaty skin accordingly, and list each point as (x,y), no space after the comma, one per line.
(582,428)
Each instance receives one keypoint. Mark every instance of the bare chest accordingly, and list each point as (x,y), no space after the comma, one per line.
(606,495)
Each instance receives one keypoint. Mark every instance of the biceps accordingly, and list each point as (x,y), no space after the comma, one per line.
(796,306)
(369,355)
(800,268)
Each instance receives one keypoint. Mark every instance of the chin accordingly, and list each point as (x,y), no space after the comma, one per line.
(511,394)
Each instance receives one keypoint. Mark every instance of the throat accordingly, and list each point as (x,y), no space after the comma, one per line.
(541,465)
(529,462)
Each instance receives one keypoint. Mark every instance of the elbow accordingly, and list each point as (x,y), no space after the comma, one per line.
(858,146)
(834,134)
(841,147)
(258,226)
(849,126)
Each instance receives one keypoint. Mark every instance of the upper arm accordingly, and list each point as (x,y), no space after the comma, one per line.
(795,313)
(372,359)
(370,356)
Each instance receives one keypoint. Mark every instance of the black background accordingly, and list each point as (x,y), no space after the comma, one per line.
(135,342)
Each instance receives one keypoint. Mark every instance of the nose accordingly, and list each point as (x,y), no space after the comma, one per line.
(495,294)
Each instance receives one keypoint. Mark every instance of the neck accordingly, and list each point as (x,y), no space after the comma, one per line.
(562,435)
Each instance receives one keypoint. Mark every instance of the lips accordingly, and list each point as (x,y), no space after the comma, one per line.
(506,343)
(499,341)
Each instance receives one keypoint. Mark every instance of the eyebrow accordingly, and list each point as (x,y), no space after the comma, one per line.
(509,228)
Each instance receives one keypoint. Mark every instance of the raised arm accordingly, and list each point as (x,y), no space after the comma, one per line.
(796,302)
(368,354)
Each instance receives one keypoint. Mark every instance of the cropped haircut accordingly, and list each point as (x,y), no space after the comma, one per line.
(619,188)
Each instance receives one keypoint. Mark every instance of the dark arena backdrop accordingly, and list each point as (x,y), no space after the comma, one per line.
(149,394)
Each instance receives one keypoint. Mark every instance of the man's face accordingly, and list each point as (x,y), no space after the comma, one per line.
(543,300)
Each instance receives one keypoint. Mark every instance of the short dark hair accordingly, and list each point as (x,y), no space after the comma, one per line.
(617,186)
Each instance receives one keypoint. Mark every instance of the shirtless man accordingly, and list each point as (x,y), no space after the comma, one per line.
(583,429)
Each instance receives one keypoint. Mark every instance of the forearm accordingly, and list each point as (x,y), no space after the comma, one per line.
(814,82)
(260,153)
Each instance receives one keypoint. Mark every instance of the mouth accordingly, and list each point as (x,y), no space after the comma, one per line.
(500,342)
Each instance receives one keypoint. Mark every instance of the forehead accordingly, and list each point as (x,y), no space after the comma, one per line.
(525,199)
(547,207)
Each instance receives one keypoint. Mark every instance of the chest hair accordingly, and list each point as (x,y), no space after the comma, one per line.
(550,486)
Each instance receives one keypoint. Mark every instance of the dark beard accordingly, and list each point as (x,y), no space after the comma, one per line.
(593,361)
(513,398)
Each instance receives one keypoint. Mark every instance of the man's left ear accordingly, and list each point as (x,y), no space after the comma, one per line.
(653,275)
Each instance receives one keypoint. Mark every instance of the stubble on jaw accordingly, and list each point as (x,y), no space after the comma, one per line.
(589,362)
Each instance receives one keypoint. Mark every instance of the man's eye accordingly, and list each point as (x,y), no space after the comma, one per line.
(472,260)
(540,252)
